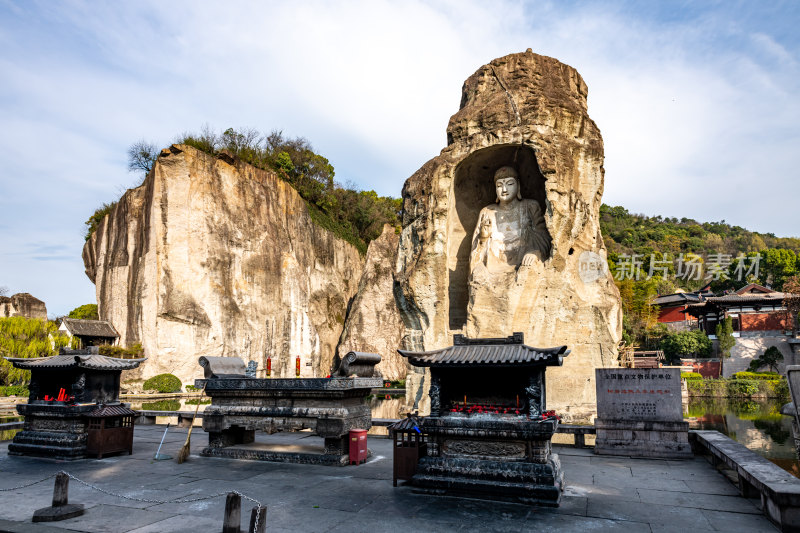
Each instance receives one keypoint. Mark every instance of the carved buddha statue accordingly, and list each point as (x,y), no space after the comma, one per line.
(510,233)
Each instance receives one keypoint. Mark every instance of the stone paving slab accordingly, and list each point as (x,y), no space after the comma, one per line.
(714,502)
(601,494)
(111,519)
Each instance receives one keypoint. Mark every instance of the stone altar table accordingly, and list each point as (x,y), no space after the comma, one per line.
(239,406)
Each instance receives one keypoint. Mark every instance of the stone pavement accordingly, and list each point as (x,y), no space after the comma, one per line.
(602,494)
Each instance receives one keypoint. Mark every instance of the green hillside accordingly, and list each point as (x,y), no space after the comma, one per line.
(637,242)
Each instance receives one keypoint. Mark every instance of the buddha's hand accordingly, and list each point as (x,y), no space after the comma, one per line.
(486,229)
(530,259)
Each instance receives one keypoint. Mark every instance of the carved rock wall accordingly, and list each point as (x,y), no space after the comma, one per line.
(373,322)
(211,256)
(528,111)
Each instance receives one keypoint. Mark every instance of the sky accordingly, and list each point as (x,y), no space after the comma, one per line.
(697,101)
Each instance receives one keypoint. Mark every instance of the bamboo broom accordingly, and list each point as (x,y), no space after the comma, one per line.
(185,449)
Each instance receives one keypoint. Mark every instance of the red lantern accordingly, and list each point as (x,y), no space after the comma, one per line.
(297,367)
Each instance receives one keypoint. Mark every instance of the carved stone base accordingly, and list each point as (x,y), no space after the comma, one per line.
(64,446)
(59,512)
(52,431)
(664,440)
(279,457)
(532,483)
(501,458)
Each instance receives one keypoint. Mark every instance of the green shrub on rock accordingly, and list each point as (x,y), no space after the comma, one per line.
(741,387)
(162,405)
(707,387)
(163,383)
(778,389)
(757,375)
(132,352)
(14,390)
(691,375)
(85,312)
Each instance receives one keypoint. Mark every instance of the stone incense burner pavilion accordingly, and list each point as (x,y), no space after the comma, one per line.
(487,435)
(65,391)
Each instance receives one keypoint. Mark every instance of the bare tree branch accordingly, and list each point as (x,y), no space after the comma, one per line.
(142,156)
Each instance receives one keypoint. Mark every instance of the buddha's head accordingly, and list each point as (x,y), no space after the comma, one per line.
(506,183)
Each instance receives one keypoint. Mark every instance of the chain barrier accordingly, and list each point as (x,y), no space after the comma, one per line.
(145,500)
(29,484)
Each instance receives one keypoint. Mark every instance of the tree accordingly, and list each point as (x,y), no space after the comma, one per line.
(26,337)
(778,265)
(85,312)
(640,317)
(355,216)
(97,217)
(769,358)
(725,338)
(142,156)
(3,290)
(693,343)
(792,301)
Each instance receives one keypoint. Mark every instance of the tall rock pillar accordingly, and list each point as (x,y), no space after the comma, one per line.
(527,112)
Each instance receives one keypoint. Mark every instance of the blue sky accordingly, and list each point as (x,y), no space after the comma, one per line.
(697,101)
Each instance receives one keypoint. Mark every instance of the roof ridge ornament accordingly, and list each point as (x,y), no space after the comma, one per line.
(516,338)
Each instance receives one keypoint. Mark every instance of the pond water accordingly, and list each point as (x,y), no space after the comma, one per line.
(757,424)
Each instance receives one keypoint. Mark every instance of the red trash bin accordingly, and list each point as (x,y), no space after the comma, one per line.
(358,446)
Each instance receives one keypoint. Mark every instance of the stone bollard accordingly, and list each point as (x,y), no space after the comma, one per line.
(232,521)
(61,508)
(262,520)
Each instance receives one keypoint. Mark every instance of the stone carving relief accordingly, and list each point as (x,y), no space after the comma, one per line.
(435,395)
(79,387)
(484,448)
(534,393)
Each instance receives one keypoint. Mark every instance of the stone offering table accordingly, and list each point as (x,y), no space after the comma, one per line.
(240,406)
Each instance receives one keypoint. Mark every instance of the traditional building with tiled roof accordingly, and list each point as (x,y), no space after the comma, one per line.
(759,318)
(89,332)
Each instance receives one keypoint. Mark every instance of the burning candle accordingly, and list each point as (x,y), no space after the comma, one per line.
(517,401)
(465,400)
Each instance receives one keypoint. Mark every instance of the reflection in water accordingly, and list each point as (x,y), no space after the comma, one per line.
(170,404)
(759,425)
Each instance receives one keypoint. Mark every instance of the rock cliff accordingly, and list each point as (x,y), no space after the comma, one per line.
(211,256)
(22,304)
(529,112)
(373,322)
